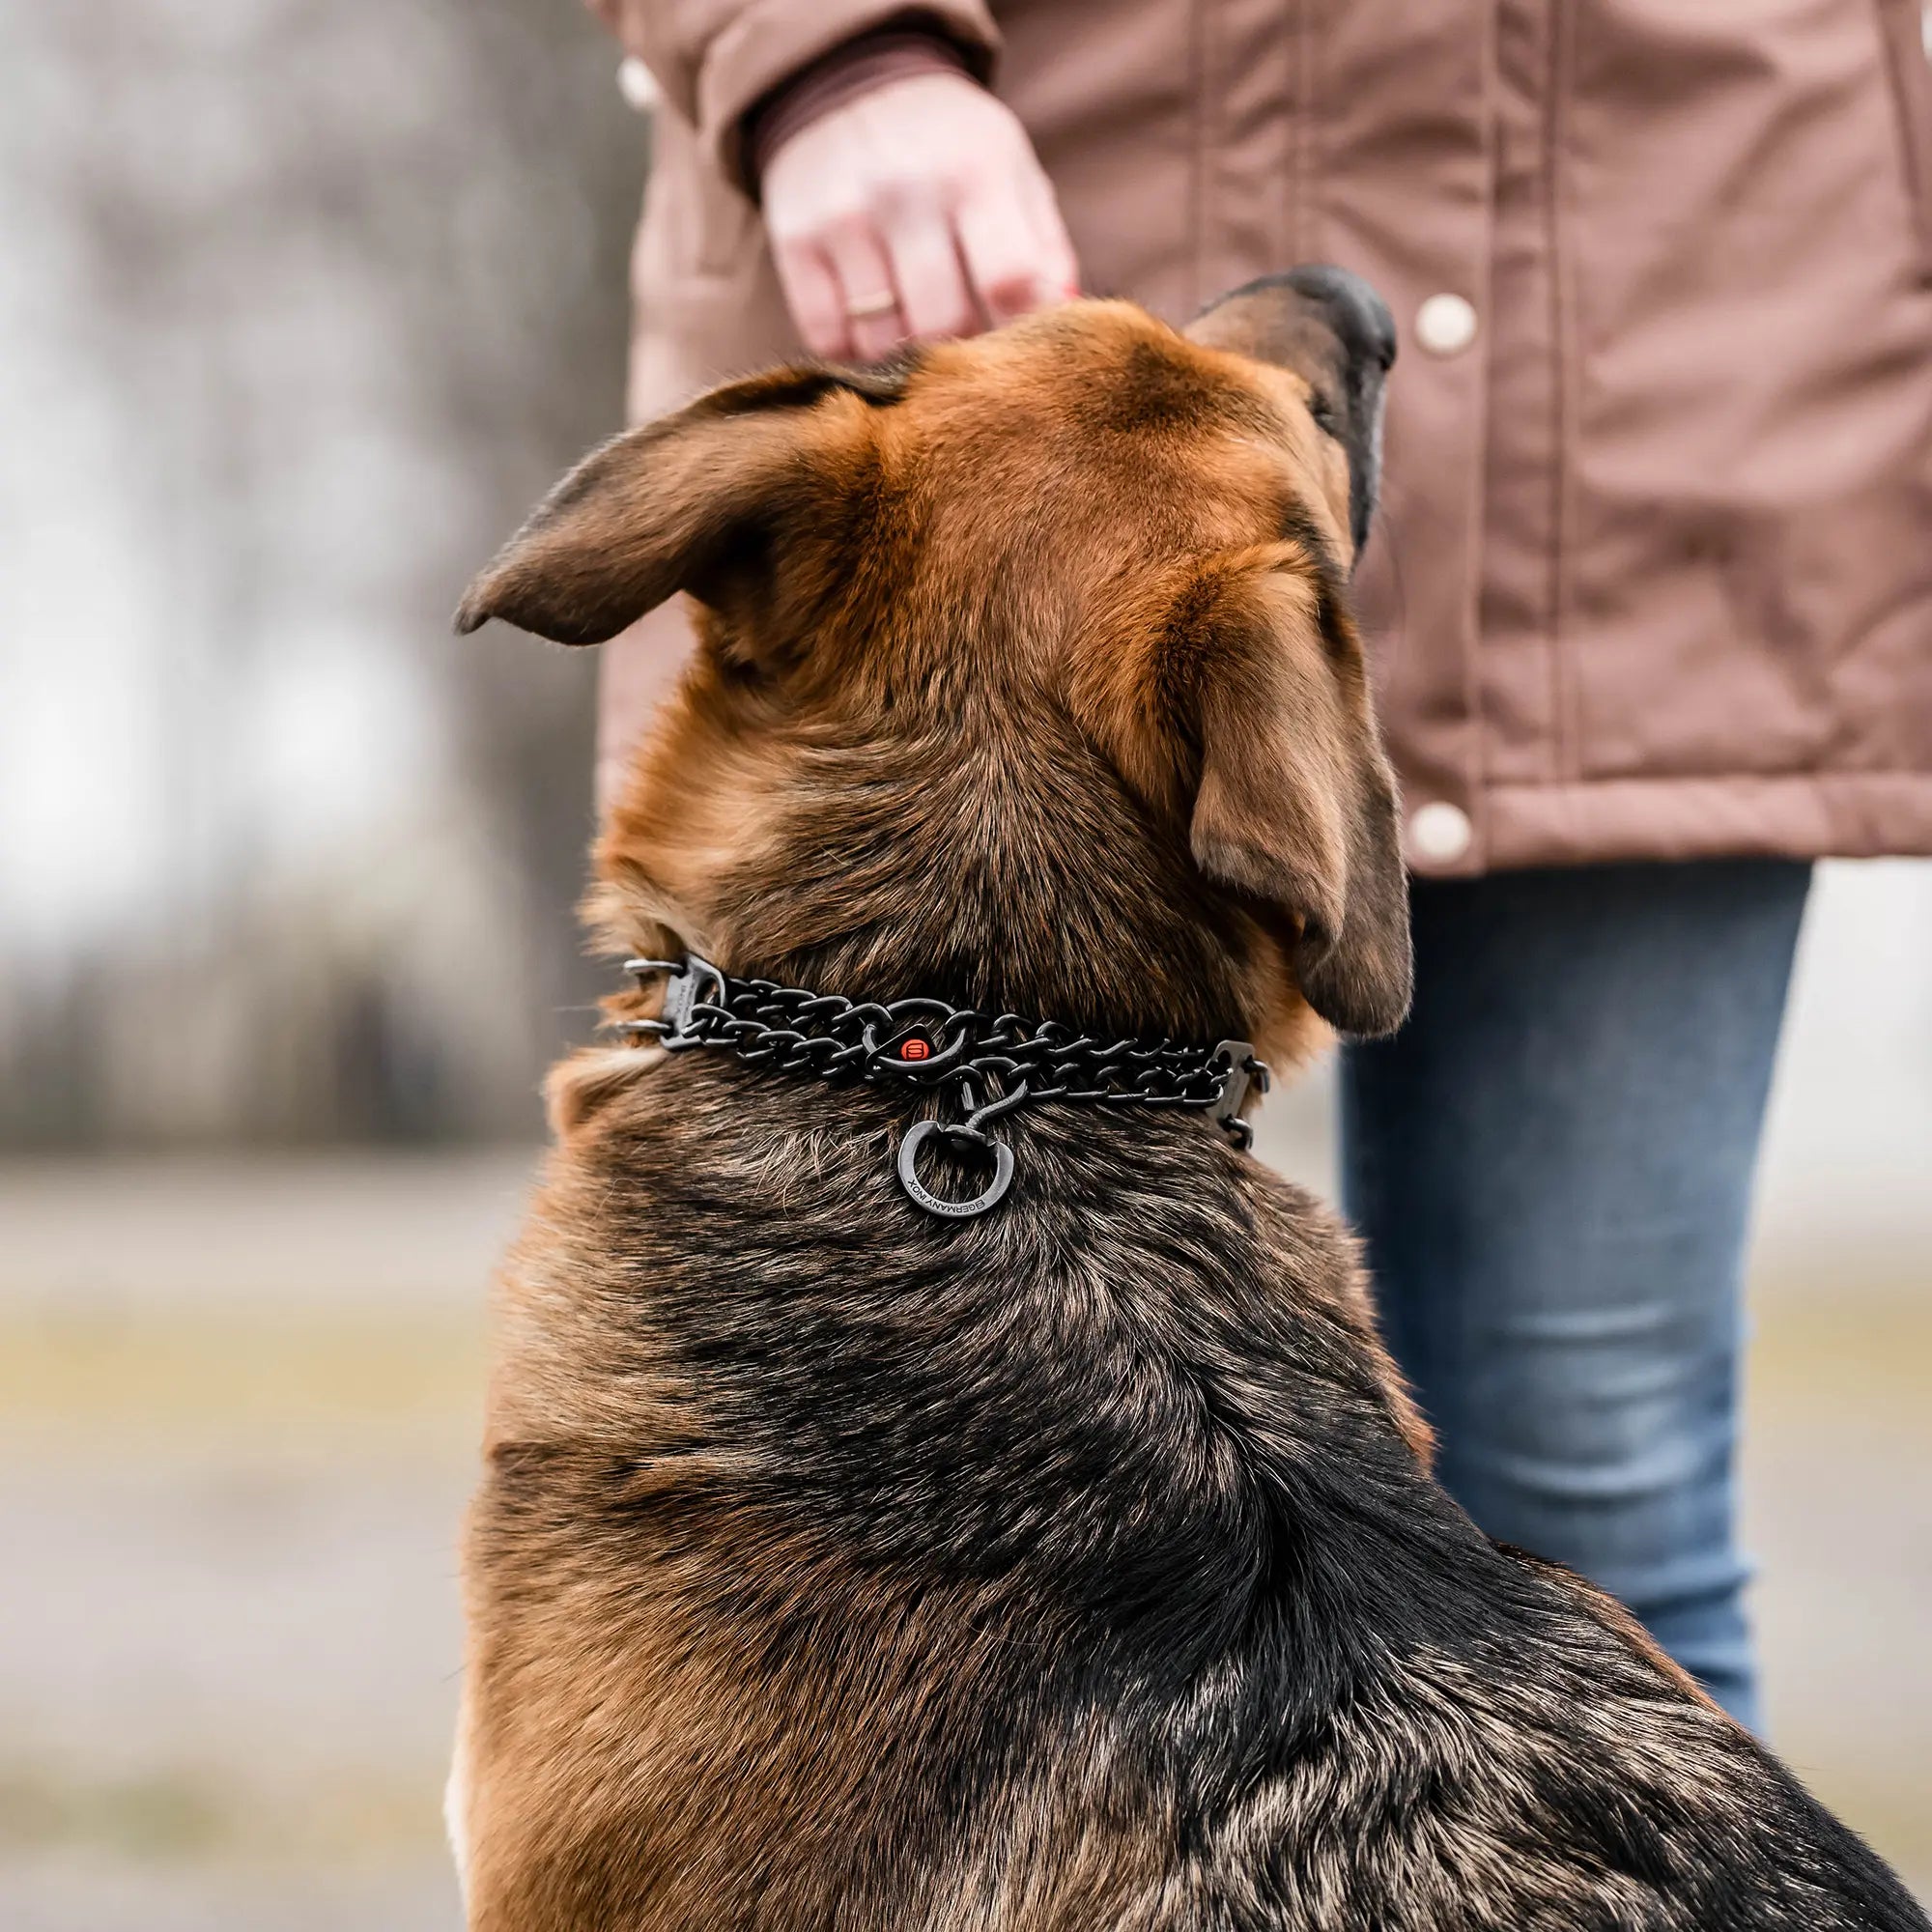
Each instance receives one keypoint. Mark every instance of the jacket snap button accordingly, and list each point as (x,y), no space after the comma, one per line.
(1445,325)
(638,84)
(1439,833)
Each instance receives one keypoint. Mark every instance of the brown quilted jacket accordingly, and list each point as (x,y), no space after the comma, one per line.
(1654,577)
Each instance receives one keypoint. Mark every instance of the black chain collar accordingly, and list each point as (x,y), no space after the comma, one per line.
(925,1044)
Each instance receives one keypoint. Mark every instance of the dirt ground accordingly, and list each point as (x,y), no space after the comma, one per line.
(238,1405)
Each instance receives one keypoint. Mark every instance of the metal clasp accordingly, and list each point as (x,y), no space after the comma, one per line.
(690,976)
(1244,1071)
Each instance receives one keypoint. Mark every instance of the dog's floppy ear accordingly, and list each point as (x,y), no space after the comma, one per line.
(1296,802)
(681,504)
(1245,712)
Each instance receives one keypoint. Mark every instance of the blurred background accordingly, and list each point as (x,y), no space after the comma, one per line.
(303,305)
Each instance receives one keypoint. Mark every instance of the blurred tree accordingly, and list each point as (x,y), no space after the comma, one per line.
(307,303)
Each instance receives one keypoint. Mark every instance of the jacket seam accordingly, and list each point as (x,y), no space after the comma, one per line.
(1299,101)
(1197,57)
(1477,754)
(1315,217)
(1563,402)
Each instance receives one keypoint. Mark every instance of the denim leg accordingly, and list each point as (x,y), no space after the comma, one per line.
(1552,1167)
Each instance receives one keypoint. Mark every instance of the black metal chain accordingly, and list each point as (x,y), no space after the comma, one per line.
(925,1044)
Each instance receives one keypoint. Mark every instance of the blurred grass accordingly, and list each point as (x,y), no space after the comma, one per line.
(306,1381)
(1858,1356)
(183,1816)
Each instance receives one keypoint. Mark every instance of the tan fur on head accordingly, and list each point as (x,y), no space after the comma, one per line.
(1071,594)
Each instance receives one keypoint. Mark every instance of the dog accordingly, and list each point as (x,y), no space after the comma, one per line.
(1066,1558)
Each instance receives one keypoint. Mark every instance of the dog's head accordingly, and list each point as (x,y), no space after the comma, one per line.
(1033,650)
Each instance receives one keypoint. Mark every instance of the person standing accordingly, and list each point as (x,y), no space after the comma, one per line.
(1652,606)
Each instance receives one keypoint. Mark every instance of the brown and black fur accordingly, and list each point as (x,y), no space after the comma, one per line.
(1077,1566)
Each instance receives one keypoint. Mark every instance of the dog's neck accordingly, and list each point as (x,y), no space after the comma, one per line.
(1001,869)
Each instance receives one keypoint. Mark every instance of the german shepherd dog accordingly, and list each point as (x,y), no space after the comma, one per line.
(1077,1564)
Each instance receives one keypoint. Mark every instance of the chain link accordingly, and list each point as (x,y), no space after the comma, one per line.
(792,1031)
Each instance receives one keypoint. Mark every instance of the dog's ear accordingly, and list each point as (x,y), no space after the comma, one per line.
(1243,712)
(1296,803)
(693,501)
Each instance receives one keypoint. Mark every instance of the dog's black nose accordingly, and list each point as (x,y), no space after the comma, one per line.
(1355,312)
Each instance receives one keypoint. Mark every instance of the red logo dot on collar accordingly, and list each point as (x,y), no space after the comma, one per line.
(915,1049)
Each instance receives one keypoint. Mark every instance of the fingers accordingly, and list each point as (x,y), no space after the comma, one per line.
(870,298)
(813,294)
(1009,267)
(1060,263)
(934,298)
(918,210)
(862,288)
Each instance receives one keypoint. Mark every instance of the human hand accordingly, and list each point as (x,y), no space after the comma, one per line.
(917,208)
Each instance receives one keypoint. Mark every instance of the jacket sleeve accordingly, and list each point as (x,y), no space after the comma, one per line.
(717,59)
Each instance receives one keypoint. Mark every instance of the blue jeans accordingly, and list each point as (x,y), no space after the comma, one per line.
(1551,1166)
